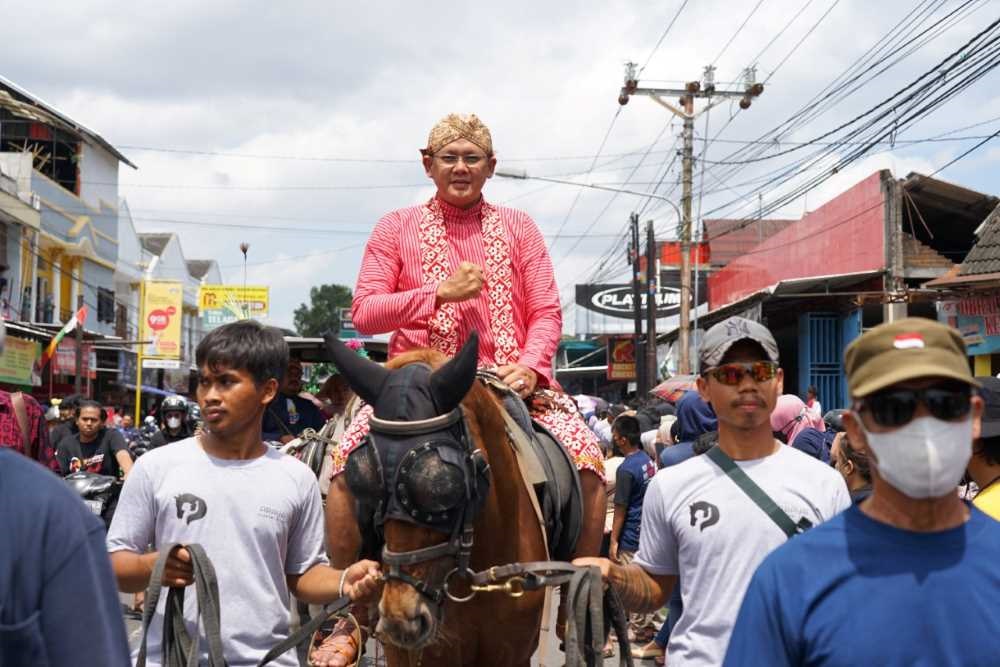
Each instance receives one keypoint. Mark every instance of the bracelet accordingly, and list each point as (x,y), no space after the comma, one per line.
(340,588)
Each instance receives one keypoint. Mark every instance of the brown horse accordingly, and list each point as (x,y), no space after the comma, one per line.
(419,627)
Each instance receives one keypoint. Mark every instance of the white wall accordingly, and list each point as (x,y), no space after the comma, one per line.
(98,175)
(18,167)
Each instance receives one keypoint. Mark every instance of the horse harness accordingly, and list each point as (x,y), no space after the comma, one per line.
(428,473)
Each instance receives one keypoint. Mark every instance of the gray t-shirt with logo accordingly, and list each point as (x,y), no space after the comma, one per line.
(697,523)
(258,521)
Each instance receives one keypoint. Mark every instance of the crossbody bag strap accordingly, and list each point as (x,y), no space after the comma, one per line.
(21,414)
(280,421)
(754,492)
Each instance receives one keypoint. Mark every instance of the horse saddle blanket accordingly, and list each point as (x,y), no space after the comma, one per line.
(550,470)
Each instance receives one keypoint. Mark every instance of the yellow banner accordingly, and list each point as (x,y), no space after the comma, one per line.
(222,304)
(17,362)
(162,308)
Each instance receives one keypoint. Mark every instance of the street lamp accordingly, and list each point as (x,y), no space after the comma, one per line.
(524,176)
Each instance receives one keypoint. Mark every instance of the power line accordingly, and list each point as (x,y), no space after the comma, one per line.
(738,31)
(664,35)
(964,154)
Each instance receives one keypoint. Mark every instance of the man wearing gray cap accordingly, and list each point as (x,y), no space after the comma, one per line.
(909,576)
(712,519)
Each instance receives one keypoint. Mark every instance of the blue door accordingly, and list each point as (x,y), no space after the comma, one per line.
(823,337)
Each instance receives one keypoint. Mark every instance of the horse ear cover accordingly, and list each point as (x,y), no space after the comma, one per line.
(451,382)
(365,377)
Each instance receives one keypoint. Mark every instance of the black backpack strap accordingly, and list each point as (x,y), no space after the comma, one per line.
(754,492)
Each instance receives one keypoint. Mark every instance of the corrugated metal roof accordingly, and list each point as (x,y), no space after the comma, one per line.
(19,101)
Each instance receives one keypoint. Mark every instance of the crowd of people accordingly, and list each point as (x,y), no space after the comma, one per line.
(769,532)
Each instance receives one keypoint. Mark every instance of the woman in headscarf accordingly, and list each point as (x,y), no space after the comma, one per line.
(791,417)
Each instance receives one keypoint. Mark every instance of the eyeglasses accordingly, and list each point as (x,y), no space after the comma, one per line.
(733,374)
(469,160)
(893,409)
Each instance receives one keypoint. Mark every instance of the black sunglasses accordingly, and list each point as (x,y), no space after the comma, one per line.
(895,408)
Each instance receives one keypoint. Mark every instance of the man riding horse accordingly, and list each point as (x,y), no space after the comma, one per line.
(434,273)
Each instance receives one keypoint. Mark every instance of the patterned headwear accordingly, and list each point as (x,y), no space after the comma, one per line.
(459,126)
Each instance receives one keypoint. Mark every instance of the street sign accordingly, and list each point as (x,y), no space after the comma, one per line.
(346,321)
(161,363)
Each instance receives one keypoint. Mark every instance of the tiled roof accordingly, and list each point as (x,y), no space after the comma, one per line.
(985,255)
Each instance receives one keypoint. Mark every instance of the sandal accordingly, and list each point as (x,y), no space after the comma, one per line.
(345,641)
(650,650)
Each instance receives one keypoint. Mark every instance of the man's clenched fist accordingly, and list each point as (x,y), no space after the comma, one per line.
(464,284)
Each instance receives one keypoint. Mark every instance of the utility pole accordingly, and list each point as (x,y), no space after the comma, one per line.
(705,89)
(652,285)
(640,360)
(78,380)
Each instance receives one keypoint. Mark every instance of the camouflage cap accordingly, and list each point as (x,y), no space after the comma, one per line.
(907,349)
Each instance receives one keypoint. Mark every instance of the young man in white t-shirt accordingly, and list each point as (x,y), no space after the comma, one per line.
(699,525)
(256,512)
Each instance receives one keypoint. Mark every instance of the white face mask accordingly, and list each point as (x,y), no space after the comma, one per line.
(173,422)
(925,458)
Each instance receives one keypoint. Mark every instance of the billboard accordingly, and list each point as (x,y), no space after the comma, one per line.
(222,304)
(621,358)
(161,326)
(17,362)
(617,300)
(64,361)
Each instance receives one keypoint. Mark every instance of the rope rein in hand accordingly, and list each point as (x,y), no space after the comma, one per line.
(587,601)
(179,648)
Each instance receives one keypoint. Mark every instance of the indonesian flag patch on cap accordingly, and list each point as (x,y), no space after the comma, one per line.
(908,341)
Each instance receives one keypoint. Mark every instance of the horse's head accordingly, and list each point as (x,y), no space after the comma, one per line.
(422,474)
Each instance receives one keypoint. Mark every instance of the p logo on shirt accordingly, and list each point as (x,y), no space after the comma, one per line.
(190,507)
(704,514)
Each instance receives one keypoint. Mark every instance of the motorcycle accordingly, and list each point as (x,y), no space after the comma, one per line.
(99,492)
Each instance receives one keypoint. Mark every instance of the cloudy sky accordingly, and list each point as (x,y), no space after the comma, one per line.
(300,121)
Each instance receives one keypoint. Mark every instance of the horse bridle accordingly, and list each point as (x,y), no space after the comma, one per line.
(453,449)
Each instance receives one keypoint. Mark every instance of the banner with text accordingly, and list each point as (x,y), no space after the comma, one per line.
(17,362)
(222,304)
(162,309)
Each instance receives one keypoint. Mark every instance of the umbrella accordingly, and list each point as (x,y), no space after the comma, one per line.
(673,388)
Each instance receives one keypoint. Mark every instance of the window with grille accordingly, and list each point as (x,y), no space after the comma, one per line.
(105,305)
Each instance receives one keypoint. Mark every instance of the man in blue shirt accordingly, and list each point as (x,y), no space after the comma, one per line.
(631,480)
(58,604)
(289,414)
(909,576)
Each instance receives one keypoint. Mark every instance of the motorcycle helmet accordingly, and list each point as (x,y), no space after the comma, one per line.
(193,413)
(173,404)
(834,420)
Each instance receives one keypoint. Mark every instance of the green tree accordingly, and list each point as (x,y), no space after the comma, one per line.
(323,312)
